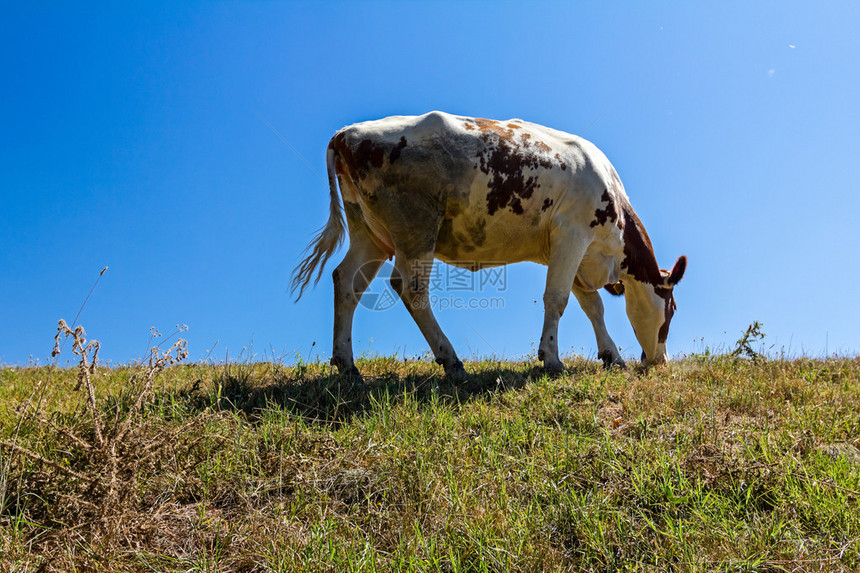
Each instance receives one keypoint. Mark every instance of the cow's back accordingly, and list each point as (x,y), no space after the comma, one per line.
(492,188)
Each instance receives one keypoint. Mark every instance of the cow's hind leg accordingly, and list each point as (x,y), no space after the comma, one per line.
(592,305)
(351,278)
(566,252)
(411,280)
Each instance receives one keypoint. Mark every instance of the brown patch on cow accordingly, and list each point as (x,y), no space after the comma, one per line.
(514,126)
(505,161)
(561,163)
(395,153)
(369,153)
(491,126)
(607,213)
(508,184)
(366,155)
(469,126)
(547,203)
(358,161)
(524,141)
(542,147)
(639,260)
(668,312)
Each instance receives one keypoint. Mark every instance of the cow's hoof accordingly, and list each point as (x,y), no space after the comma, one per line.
(609,361)
(555,368)
(352,375)
(349,372)
(455,372)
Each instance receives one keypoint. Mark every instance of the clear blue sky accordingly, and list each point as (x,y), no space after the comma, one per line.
(131,136)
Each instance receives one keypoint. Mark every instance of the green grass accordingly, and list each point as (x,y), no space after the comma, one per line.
(708,463)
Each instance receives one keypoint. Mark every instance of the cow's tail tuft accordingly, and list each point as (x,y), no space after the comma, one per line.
(327,239)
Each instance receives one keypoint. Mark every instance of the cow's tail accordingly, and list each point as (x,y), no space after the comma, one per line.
(327,239)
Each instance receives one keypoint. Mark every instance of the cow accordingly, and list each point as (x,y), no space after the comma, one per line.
(476,192)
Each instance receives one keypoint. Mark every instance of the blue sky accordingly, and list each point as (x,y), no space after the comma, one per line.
(135,136)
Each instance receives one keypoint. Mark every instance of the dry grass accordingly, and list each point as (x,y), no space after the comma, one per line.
(709,463)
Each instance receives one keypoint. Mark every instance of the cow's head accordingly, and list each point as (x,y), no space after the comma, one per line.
(650,308)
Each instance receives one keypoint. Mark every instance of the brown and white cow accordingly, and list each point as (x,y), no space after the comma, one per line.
(473,192)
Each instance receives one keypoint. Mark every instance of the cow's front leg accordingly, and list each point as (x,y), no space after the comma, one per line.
(351,278)
(565,255)
(592,305)
(411,280)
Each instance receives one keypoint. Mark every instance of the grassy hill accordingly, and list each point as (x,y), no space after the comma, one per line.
(708,463)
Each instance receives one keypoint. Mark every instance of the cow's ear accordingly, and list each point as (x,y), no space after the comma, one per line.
(677,271)
(615,289)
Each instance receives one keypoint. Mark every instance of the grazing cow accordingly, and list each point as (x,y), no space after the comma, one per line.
(472,192)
